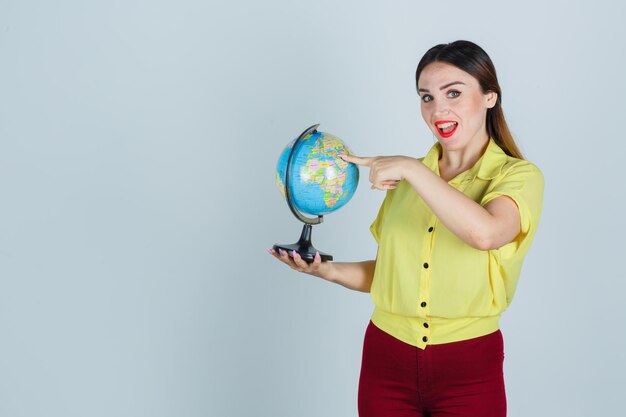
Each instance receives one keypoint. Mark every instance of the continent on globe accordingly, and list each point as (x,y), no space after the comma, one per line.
(320,181)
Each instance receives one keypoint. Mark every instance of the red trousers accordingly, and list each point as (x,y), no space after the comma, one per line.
(460,379)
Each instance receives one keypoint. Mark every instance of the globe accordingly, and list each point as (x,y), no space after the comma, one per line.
(320,181)
(316,181)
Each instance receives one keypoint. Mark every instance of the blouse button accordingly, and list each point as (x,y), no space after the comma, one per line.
(423,304)
(426,325)
(430,229)
(425,339)
(426,265)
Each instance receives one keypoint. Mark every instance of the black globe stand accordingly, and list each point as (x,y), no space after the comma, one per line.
(303,246)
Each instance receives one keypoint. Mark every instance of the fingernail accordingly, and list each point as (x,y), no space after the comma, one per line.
(293,253)
(270,251)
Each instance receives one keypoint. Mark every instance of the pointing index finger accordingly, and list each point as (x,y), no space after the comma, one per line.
(359,160)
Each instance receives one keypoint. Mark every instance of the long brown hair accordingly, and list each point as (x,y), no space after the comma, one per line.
(472,59)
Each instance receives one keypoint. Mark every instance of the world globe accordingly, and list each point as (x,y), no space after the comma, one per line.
(320,181)
(314,180)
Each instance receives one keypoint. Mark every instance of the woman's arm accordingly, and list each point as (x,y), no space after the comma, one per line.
(484,228)
(353,275)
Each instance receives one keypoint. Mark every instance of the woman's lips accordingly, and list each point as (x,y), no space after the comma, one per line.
(446,128)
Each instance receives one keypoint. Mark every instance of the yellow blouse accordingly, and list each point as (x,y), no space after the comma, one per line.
(429,286)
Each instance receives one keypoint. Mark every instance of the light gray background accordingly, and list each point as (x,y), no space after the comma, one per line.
(138,141)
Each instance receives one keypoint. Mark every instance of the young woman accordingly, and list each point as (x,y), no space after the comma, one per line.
(452,233)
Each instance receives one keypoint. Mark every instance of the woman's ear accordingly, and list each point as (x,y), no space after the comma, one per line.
(490,99)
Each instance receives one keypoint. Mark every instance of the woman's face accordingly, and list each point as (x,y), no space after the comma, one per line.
(453,106)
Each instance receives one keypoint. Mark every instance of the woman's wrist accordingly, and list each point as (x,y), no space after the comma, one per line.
(412,169)
(327,271)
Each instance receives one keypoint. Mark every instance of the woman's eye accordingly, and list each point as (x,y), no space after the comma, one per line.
(427,98)
(454,94)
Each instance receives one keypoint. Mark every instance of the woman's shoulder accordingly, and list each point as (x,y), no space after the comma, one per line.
(519,174)
(517,166)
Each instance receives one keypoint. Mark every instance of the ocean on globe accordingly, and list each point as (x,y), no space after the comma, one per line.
(320,181)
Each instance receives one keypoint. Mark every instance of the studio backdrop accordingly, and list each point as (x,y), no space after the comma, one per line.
(138,147)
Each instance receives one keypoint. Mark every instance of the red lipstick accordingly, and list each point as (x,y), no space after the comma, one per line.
(447,124)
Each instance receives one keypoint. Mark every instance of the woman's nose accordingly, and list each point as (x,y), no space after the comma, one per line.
(441,107)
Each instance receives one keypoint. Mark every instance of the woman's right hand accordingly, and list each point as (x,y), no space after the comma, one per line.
(316,268)
(356,276)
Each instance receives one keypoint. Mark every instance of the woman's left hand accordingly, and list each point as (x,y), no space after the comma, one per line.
(385,171)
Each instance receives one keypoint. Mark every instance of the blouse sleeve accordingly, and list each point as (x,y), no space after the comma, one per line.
(523,183)
(376,226)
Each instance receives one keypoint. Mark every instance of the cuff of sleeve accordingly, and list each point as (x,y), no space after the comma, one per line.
(524,212)
(374,231)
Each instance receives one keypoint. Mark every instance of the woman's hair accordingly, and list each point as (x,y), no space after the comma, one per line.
(472,59)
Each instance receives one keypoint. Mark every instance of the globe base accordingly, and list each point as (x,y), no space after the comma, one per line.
(304,247)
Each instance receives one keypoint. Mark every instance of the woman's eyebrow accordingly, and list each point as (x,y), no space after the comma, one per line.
(425,90)
(451,84)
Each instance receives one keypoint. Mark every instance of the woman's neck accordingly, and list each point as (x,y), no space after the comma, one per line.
(452,163)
